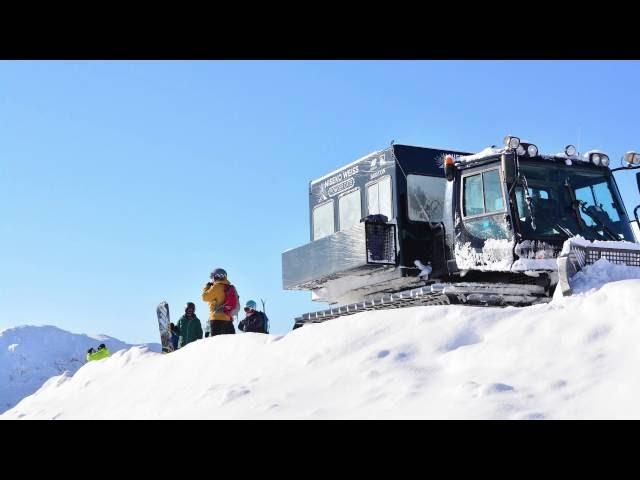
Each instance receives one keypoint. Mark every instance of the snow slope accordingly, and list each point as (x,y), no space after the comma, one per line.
(573,358)
(30,355)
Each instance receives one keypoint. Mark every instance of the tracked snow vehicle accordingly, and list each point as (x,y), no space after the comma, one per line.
(412,225)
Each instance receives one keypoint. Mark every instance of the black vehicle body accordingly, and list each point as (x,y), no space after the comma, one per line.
(480,227)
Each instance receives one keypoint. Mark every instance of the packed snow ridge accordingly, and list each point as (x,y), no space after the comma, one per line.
(573,358)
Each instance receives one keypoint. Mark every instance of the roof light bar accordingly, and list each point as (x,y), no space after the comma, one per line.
(511,142)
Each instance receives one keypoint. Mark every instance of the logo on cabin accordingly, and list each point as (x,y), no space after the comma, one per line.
(341,187)
(377,162)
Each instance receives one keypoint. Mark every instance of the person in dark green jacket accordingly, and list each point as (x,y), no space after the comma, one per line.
(188,327)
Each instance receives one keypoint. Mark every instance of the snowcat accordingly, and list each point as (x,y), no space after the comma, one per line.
(410,225)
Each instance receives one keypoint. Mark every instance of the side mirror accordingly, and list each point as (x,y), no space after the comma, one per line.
(509,167)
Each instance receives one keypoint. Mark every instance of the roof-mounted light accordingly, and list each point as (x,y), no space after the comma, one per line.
(570,150)
(598,158)
(527,149)
(632,158)
(511,142)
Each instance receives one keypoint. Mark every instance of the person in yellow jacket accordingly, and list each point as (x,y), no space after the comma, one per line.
(102,352)
(220,321)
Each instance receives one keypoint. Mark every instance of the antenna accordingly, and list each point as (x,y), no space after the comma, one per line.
(579,138)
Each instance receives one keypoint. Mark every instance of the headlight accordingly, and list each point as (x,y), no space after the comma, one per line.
(604,159)
(528,149)
(595,158)
(570,150)
(632,158)
(511,142)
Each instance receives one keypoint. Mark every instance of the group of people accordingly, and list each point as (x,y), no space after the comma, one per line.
(97,354)
(220,294)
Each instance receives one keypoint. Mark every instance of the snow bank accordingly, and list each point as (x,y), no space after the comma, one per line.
(575,357)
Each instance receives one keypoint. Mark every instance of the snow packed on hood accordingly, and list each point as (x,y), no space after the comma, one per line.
(575,357)
(496,255)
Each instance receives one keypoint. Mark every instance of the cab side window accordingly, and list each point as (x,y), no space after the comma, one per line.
(483,202)
(483,193)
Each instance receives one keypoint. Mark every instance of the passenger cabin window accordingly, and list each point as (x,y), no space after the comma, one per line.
(379,198)
(323,223)
(350,210)
(425,198)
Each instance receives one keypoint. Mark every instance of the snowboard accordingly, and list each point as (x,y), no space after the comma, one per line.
(163,323)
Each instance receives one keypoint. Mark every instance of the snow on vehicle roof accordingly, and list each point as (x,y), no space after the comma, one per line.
(493,150)
(487,152)
(580,158)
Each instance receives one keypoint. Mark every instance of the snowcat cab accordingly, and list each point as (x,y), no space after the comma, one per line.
(421,226)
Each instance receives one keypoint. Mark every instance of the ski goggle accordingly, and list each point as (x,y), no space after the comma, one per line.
(247,309)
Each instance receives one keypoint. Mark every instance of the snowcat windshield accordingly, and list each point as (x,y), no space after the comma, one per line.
(597,215)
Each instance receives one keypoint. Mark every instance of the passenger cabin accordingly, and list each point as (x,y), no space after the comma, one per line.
(370,221)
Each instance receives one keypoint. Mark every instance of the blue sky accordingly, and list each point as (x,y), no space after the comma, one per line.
(125,183)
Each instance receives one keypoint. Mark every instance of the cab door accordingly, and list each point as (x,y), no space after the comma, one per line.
(483,229)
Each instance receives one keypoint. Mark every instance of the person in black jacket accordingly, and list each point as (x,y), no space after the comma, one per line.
(254,321)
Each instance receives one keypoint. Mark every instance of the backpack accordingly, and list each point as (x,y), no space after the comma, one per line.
(231,301)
